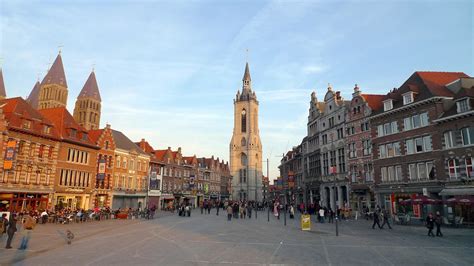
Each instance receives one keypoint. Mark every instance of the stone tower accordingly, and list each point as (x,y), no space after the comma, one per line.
(245,146)
(88,104)
(53,90)
(3,93)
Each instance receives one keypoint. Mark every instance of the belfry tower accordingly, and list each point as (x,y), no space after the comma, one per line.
(245,146)
(88,104)
(53,89)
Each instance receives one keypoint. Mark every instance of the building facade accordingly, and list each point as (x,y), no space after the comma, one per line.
(52,91)
(29,148)
(291,172)
(77,157)
(130,174)
(407,143)
(103,186)
(359,149)
(245,146)
(334,189)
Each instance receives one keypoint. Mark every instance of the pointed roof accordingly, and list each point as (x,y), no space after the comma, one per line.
(33,98)
(124,143)
(90,89)
(247,72)
(3,94)
(56,73)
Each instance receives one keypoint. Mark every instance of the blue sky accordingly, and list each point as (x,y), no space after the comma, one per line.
(168,70)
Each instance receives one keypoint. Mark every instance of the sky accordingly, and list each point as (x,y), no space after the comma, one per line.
(168,71)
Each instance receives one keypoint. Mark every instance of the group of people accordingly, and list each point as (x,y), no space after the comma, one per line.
(9,226)
(381,214)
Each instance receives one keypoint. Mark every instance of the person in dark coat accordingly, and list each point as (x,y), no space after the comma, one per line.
(385,218)
(11,230)
(376,220)
(438,221)
(430,224)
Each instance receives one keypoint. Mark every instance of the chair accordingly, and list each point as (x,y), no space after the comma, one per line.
(460,222)
(446,222)
(407,217)
(397,220)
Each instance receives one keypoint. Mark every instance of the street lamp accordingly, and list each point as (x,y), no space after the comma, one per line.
(334,172)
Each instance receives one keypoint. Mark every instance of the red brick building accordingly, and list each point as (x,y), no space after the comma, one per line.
(407,143)
(359,148)
(103,187)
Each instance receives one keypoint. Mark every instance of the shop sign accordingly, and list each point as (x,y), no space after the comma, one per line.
(417,210)
(9,155)
(425,192)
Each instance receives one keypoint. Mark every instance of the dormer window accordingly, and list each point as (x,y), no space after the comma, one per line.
(26,124)
(73,133)
(463,106)
(407,98)
(46,129)
(84,136)
(388,105)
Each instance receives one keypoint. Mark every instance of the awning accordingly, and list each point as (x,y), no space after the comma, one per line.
(457,191)
(167,197)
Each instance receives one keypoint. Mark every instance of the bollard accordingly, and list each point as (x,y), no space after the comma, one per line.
(268,214)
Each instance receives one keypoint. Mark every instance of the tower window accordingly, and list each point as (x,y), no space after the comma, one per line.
(243,142)
(244,121)
(243,159)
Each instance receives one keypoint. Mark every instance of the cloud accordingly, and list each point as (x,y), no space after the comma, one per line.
(313,69)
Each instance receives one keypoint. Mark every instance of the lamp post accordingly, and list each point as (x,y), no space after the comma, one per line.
(333,172)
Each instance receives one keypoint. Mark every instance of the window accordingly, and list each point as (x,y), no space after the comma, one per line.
(452,166)
(342,161)
(84,136)
(417,145)
(340,133)
(331,122)
(325,164)
(72,133)
(243,142)
(325,139)
(407,98)
(106,144)
(448,140)
(41,151)
(469,172)
(463,106)
(415,121)
(380,130)
(467,134)
(352,150)
(46,129)
(391,173)
(367,147)
(32,149)
(388,105)
(26,124)
(382,151)
(244,121)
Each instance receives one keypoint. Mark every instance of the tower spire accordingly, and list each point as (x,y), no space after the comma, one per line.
(3,93)
(56,73)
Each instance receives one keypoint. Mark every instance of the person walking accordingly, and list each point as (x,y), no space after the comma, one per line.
(11,230)
(229,212)
(321,215)
(331,216)
(217,209)
(376,220)
(430,224)
(28,225)
(3,225)
(385,216)
(249,210)
(292,212)
(438,221)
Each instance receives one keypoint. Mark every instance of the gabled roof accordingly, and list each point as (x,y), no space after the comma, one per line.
(95,134)
(3,93)
(66,124)
(375,101)
(56,74)
(425,85)
(145,146)
(90,89)
(124,143)
(33,98)
(160,154)
(17,110)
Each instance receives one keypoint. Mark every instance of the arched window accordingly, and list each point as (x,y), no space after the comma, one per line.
(244,121)
(243,159)
(243,142)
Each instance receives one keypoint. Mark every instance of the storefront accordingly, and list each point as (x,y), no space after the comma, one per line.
(154,197)
(24,201)
(361,197)
(71,201)
(167,202)
(128,200)
(458,204)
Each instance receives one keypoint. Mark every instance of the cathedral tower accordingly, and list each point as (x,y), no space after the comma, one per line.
(88,104)
(53,90)
(245,146)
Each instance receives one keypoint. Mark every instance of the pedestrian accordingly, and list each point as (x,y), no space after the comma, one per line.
(276,211)
(201,204)
(376,220)
(321,215)
(292,212)
(430,224)
(28,225)
(331,216)
(438,221)
(11,230)
(3,225)
(229,212)
(249,210)
(385,216)
(217,209)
